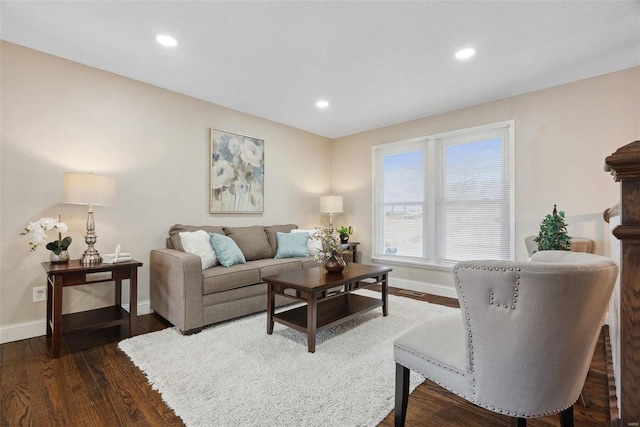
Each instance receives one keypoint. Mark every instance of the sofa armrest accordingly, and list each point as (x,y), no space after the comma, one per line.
(176,287)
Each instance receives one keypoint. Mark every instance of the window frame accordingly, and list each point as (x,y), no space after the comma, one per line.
(434,166)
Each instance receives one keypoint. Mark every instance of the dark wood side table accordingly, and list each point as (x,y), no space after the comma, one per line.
(74,273)
(353,248)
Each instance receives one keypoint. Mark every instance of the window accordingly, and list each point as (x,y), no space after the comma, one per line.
(445,198)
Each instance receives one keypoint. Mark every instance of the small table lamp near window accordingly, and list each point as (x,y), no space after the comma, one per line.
(331,204)
(88,189)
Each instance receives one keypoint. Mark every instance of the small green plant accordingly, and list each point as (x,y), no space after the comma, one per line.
(59,245)
(553,233)
(345,232)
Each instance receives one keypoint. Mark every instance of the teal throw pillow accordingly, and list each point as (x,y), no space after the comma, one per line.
(227,252)
(291,245)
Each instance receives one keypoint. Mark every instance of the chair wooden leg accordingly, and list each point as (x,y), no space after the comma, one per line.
(402,394)
(518,422)
(566,417)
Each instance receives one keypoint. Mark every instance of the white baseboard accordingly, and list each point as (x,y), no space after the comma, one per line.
(144,307)
(427,288)
(36,328)
(21,331)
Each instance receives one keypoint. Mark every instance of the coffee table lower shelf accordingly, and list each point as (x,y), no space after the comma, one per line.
(330,312)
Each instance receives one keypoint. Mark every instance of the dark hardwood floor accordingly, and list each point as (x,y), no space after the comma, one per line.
(93,383)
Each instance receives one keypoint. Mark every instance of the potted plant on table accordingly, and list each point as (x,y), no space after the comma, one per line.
(344,233)
(553,233)
(57,247)
(331,253)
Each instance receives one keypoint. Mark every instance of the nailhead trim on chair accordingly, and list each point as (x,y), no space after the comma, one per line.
(491,302)
(468,322)
(438,382)
(475,402)
(491,294)
(433,362)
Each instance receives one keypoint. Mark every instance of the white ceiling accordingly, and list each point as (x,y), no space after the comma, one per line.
(378,63)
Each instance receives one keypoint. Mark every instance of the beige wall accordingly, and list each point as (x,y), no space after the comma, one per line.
(60,116)
(563,135)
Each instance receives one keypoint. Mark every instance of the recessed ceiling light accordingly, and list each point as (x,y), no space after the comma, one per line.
(322,104)
(166,40)
(465,53)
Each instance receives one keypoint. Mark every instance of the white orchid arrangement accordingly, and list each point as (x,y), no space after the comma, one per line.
(38,237)
(331,246)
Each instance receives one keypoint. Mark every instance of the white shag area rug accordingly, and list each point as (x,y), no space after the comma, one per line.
(234,374)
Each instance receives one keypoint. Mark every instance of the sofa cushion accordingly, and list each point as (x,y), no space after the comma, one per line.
(309,263)
(227,252)
(174,231)
(197,243)
(252,241)
(271,234)
(270,267)
(292,245)
(218,279)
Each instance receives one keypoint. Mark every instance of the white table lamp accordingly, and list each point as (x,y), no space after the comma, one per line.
(331,204)
(88,189)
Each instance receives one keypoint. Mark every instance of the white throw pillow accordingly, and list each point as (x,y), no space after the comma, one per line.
(197,243)
(313,246)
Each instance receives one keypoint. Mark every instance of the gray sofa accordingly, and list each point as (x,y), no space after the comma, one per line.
(190,297)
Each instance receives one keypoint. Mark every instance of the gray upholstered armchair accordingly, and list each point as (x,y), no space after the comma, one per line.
(525,340)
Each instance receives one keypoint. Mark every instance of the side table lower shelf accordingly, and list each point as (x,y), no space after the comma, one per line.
(90,320)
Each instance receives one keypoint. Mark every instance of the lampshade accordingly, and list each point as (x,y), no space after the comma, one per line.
(88,189)
(331,204)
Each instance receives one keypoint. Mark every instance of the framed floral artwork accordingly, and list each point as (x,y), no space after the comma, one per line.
(237,173)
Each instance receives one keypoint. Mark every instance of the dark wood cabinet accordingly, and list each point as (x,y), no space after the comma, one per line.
(624,165)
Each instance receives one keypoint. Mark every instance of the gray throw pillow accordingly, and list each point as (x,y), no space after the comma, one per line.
(252,241)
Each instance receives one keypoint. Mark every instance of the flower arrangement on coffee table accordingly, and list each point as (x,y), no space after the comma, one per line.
(331,252)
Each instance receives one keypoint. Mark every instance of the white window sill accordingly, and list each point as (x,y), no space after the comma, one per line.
(406,262)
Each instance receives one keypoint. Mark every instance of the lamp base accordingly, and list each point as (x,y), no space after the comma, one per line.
(90,257)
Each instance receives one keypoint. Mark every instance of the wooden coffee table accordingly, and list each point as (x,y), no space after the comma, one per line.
(329,297)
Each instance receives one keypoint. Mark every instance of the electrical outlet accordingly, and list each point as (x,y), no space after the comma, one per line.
(40,294)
